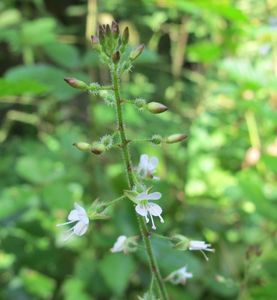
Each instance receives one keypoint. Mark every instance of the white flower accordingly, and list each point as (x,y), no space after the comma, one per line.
(119,244)
(201,246)
(179,276)
(145,208)
(147,166)
(79,215)
(125,244)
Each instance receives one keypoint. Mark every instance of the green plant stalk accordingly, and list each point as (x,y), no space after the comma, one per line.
(131,181)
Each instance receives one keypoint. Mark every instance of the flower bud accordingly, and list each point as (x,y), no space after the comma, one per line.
(97,148)
(125,36)
(95,42)
(75,83)
(180,242)
(136,52)
(175,138)
(115,29)
(116,57)
(101,34)
(156,107)
(156,139)
(85,147)
(108,30)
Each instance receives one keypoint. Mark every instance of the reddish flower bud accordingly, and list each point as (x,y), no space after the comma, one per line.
(116,57)
(137,52)
(75,83)
(115,29)
(175,138)
(156,107)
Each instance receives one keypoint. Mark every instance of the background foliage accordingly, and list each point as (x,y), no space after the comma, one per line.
(214,64)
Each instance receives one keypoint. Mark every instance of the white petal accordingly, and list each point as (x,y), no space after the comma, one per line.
(141,210)
(154,196)
(153,162)
(119,244)
(74,215)
(80,228)
(142,196)
(143,163)
(80,209)
(154,209)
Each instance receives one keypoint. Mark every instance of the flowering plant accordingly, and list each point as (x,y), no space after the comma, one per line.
(112,47)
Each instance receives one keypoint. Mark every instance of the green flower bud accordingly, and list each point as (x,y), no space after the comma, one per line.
(180,242)
(108,30)
(116,57)
(75,83)
(156,107)
(85,147)
(156,139)
(101,34)
(137,52)
(97,148)
(125,36)
(175,138)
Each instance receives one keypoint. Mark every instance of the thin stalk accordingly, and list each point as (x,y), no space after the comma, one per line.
(131,182)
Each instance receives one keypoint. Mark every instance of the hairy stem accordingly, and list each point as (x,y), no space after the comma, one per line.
(131,181)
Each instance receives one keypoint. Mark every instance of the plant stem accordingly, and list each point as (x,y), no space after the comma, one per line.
(131,182)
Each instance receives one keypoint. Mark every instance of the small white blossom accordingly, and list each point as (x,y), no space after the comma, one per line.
(125,244)
(119,244)
(147,166)
(145,208)
(179,276)
(79,215)
(201,246)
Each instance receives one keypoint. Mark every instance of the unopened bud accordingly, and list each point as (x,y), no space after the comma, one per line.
(75,83)
(108,30)
(101,34)
(116,57)
(156,139)
(137,52)
(85,147)
(95,42)
(125,36)
(175,138)
(115,29)
(97,148)
(156,107)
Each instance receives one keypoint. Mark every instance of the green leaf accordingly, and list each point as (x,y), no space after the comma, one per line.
(39,170)
(124,267)
(37,284)
(205,52)
(62,54)
(73,288)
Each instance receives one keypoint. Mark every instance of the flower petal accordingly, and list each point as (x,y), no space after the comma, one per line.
(80,209)
(80,228)
(141,210)
(119,244)
(143,162)
(142,196)
(73,215)
(154,209)
(153,162)
(154,196)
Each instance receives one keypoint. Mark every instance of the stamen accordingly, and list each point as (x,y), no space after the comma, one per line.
(62,224)
(153,224)
(206,257)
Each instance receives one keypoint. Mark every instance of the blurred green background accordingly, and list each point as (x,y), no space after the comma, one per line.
(214,64)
